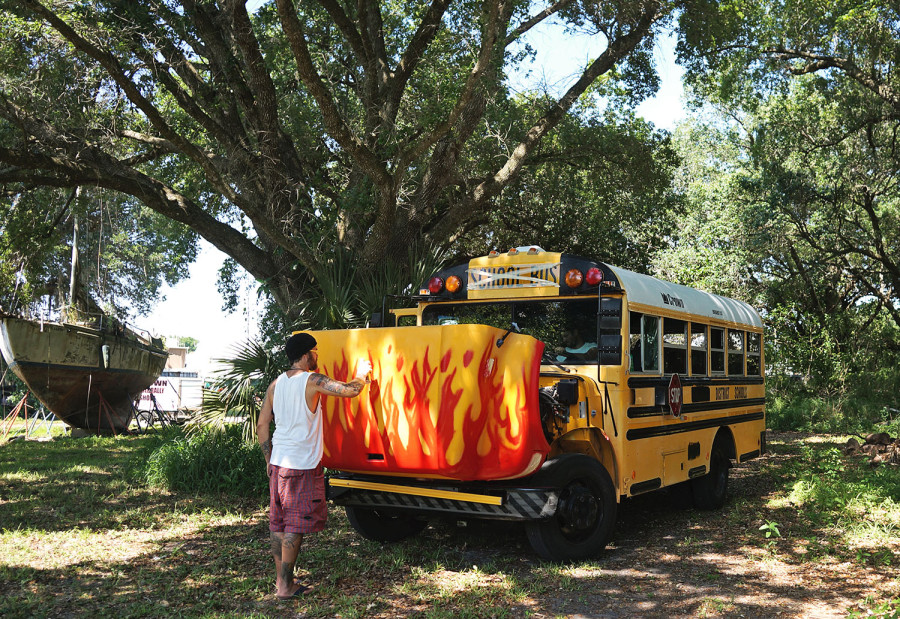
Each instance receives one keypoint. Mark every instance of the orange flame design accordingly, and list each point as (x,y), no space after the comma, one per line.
(444,416)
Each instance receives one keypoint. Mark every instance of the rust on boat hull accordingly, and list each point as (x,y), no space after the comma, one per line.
(72,369)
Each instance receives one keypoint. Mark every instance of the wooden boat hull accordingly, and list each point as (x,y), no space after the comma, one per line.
(87,377)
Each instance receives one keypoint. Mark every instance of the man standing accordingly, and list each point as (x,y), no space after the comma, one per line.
(294,453)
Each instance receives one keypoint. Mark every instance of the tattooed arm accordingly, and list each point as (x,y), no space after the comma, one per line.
(263,424)
(322,384)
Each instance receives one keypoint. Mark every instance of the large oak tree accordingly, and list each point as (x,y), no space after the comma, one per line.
(281,134)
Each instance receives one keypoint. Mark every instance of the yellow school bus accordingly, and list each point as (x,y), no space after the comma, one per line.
(543,388)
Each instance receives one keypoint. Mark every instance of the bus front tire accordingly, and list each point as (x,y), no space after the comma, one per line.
(711,489)
(586,509)
(381,526)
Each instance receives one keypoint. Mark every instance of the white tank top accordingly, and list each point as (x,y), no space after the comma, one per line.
(297,440)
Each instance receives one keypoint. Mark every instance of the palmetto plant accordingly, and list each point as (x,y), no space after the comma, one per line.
(344,299)
(239,387)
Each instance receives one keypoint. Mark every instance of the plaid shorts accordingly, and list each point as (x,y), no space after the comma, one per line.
(297,500)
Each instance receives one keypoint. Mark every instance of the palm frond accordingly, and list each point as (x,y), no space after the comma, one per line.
(335,304)
(393,279)
(238,388)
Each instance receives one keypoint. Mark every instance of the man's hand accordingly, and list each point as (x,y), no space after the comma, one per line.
(363,369)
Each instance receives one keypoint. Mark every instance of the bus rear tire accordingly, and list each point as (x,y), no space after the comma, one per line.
(380,526)
(711,489)
(586,510)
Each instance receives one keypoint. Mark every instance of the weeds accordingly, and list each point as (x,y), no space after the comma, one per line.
(836,492)
(208,461)
(872,608)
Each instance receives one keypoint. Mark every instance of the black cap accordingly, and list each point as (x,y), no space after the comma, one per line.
(298,345)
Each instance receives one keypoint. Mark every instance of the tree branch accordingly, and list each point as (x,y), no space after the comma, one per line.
(535,19)
(616,50)
(818,62)
(334,122)
(348,29)
(115,71)
(485,53)
(428,28)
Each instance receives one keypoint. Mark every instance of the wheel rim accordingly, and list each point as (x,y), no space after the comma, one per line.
(579,512)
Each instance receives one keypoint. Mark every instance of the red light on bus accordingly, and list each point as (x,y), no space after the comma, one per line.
(435,285)
(574,278)
(594,276)
(453,283)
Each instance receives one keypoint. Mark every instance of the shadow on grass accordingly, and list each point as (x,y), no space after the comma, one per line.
(88,483)
(665,561)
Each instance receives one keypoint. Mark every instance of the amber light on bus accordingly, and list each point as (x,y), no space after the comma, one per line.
(453,283)
(574,277)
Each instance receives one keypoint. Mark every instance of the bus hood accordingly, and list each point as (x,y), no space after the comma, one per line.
(443,402)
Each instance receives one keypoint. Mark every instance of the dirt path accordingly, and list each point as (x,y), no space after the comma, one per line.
(667,562)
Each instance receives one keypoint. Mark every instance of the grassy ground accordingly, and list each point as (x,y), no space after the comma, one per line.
(806,533)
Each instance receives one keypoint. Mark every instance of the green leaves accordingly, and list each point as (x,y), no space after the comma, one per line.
(805,199)
(238,389)
(278,136)
(208,462)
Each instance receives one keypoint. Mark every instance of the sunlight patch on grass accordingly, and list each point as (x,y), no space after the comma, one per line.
(472,588)
(715,607)
(58,549)
(83,468)
(21,476)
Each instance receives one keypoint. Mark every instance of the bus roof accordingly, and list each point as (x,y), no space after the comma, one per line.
(654,292)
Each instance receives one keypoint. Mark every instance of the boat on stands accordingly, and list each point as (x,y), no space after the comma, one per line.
(88,375)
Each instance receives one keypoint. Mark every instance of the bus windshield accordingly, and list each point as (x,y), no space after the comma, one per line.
(568,328)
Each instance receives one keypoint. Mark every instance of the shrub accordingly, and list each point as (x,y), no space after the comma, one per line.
(208,461)
(793,405)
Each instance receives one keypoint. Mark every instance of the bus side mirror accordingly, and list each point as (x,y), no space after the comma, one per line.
(610,349)
(610,316)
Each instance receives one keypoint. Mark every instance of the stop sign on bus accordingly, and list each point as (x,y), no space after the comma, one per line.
(674,395)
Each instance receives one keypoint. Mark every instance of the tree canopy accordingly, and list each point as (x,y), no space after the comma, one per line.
(816,92)
(791,180)
(308,130)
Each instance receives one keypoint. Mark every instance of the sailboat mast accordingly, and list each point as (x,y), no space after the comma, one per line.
(74,263)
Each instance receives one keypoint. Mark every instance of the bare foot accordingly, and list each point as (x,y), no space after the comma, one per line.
(295,590)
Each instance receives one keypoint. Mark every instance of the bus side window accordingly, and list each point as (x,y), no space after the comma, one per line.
(735,352)
(716,351)
(754,367)
(406,321)
(650,343)
(674,346)
(698,349)
(634,341)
